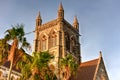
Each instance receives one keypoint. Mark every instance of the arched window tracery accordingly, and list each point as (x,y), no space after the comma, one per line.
(72,44)
(53,39)
(67,41)
(44,42)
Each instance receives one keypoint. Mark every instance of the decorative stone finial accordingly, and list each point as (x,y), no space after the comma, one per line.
(60,6)
(100,53)
(38,19)
(75,23)
(75,20)
(60,12)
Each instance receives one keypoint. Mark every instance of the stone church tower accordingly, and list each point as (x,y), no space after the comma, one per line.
(58,36)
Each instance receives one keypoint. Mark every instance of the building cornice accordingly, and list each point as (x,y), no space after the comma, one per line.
(48,25)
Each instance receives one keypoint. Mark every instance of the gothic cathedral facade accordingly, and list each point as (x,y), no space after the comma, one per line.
(58,36)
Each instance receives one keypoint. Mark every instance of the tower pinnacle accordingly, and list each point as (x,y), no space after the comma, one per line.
(39,17)
(60,12)
(38,20)
(100,53)
(60,7)
(76,24)
(75,19)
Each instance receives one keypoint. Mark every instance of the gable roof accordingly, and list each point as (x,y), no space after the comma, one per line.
(87,70)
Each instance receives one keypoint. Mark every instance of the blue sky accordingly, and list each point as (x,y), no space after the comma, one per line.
(99,24)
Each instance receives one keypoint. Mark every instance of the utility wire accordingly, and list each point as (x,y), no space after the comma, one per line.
(29,32)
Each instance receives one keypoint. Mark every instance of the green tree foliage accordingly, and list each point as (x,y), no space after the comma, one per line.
(3,50)
(68,66)
(37,67)
(17,32)
(16,35)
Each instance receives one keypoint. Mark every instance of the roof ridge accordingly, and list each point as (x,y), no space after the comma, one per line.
(91,60)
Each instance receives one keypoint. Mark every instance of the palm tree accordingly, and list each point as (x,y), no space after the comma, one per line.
(68,66)
(24,66)
(16,35)
(37,67)
(4,47)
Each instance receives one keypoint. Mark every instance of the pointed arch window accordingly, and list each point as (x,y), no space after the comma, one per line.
(44,43)
(72,44)
(67,41)
(53,39)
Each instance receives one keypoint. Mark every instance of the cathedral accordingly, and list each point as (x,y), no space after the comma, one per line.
(60,38)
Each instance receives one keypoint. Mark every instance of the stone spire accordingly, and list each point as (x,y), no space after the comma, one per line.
(38,20)
(76,24)
(100,53)
(61,7)
(60,12)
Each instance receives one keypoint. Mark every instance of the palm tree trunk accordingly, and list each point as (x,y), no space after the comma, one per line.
(10,70)
(11,56)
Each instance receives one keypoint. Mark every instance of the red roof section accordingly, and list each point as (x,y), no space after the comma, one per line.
(86,70)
